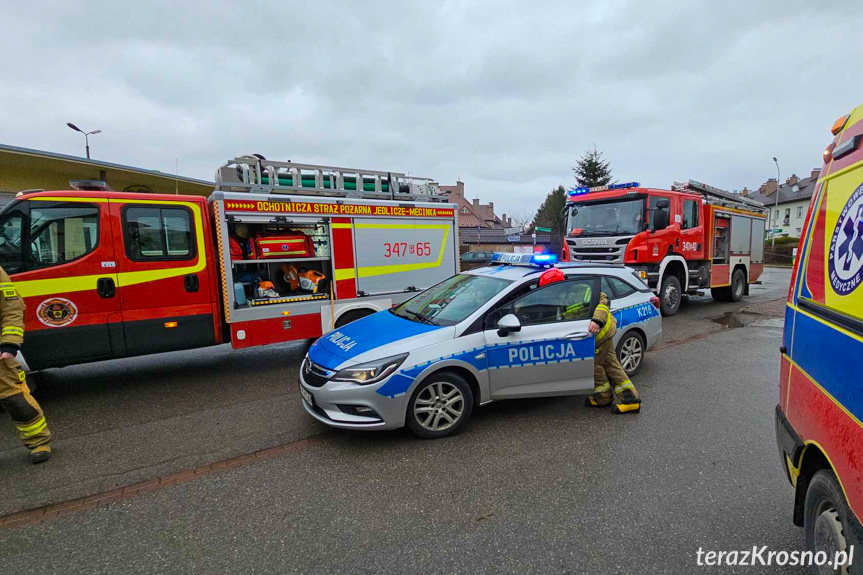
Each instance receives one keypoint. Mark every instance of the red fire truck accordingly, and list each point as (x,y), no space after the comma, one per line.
(280,251)
(691,237)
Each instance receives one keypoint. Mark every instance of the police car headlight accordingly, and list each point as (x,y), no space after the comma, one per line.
(372,371)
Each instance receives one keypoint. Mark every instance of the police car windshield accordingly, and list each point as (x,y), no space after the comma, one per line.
(452,300)
(614,218)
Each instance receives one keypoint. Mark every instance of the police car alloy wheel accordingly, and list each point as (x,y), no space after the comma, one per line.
(439,406)
(630,352)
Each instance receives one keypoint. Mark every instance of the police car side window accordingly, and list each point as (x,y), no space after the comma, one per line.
(561,301)
(606,287)
(621,288)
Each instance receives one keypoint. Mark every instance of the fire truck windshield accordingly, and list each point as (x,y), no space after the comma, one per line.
(616,218)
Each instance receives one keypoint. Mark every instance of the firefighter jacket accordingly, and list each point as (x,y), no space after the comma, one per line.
(603,318)
(11,316)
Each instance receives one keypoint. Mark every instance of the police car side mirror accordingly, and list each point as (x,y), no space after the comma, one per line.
(508,324)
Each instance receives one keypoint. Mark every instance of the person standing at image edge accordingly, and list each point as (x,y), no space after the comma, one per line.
(15,396)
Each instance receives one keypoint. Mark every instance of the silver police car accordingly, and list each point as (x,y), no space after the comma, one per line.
(480,336)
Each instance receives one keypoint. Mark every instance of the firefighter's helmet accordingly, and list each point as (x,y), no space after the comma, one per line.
(550,276)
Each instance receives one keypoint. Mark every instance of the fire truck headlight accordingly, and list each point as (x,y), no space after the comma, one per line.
(371,372)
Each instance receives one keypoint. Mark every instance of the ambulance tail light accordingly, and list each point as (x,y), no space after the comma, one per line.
(828,152)
(655,301)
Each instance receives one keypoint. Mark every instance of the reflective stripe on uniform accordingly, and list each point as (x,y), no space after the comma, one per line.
(602,307)
(33,428)
(623,386)
(12,331)
(604,330)
(602,388)
(22,376)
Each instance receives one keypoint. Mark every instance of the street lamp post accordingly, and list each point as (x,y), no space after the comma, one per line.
(778,179)
(86,135)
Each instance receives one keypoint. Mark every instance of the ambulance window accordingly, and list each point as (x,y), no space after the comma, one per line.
(561,301)
(157,233)
(60,234)
(11,255)
(690,214)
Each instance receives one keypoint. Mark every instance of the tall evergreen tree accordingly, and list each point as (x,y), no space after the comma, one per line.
(550,213)
(592,170)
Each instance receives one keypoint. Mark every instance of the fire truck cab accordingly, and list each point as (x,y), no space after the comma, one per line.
(280,251)
(680,241)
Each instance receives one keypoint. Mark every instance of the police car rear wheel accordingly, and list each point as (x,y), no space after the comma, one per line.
(630,352)
(440,406)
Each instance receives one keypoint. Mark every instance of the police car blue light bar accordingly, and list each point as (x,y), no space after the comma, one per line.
(537,260)
(580,191)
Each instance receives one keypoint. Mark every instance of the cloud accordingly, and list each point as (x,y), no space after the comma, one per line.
(504,96)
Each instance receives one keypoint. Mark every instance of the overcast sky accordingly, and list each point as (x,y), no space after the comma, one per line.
(504,96)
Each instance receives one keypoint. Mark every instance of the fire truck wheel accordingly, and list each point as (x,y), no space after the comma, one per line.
(630,352)
(737,287)
(718,294)
(669,295)
(828,524)
(352,315)
(440,406)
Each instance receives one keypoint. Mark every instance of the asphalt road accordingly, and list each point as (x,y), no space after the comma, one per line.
(530,486)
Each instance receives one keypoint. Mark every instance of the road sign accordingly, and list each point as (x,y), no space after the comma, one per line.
(543,229)
(513,237)
(511,231)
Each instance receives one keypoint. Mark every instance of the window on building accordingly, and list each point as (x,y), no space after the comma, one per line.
(690,214)
(158,233)
(787,216)
(799,211)
(60,234)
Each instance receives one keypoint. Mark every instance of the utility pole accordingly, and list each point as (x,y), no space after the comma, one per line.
(778,179)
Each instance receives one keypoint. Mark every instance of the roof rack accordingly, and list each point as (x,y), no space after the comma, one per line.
(718,196)
(256,174)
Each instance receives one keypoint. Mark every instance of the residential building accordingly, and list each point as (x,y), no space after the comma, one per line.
(794,195)
(480,229)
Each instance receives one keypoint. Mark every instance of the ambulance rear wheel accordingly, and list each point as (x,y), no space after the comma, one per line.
(828,524)
(440,406)
(669,295)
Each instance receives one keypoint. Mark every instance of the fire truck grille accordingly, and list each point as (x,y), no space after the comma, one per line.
(315,375)
(613,253)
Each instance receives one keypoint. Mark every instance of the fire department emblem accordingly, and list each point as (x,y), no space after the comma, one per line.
(57,312)
(845,260)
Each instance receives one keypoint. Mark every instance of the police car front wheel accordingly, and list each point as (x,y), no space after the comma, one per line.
(440,406)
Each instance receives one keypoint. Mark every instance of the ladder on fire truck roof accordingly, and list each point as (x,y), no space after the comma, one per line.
(256,174)
(719,197)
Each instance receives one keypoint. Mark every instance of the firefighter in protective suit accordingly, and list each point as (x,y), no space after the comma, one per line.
(607,368)
(15,396)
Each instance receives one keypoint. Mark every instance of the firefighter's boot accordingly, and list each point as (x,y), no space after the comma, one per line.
(40,454)
(627,400)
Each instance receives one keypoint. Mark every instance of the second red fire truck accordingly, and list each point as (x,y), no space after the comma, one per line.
(280,251)
(680,241)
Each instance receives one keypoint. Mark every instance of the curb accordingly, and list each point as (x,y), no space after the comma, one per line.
(40,514)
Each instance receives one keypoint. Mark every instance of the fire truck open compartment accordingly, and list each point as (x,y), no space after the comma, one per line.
(285,275)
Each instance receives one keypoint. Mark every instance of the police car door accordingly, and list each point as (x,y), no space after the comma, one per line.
(553,352)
